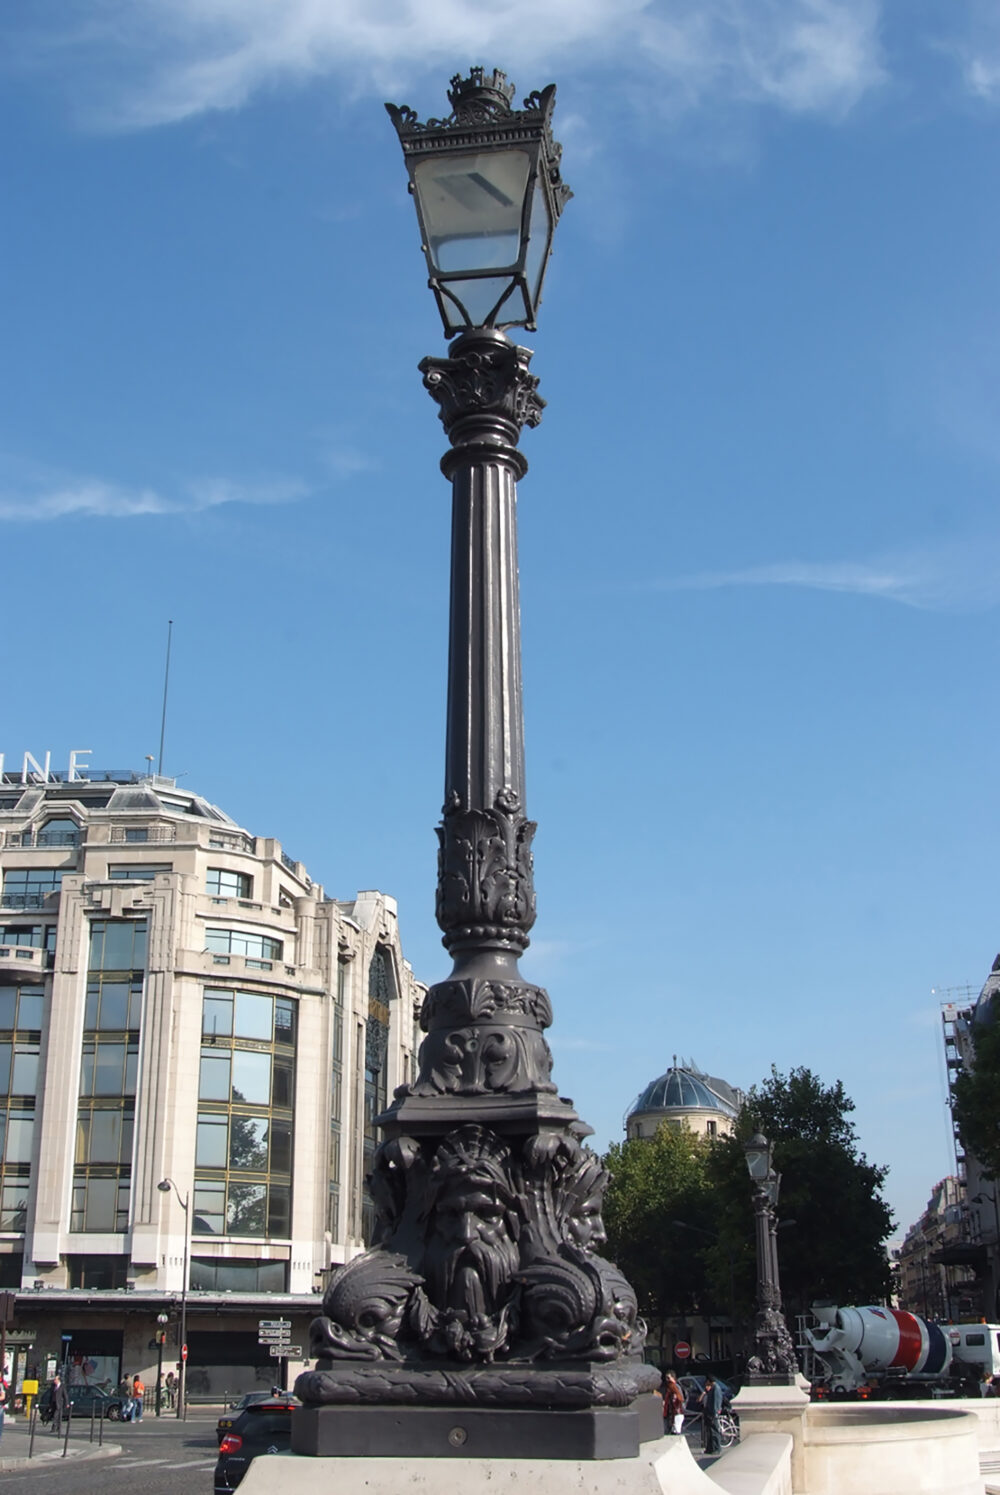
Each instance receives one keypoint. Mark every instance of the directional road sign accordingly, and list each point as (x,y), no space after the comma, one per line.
(286,1351)
(274,1323)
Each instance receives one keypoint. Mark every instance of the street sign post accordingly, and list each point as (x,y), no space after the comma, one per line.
(286,1351)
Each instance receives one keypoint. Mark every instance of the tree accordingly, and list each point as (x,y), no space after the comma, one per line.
(835,1248)
(655,1183)
(976,1098)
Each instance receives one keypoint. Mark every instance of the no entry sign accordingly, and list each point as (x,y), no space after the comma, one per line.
(682,1349)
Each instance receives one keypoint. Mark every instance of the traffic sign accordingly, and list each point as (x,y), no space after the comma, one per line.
(682,1349)
(274,1323)
(273,1336)
(286,1351)
(184,1351)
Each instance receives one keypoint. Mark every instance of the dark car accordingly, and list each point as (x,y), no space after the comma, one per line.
(263,1427)
(85,1401)
(248,1399)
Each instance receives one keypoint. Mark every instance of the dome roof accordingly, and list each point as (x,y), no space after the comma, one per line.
(685,1089)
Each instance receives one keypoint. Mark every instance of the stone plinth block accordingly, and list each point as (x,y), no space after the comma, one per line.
(663,1467)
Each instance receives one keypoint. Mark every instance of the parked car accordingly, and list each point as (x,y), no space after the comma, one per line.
(248,1399)
(85,1400)
(262,1427)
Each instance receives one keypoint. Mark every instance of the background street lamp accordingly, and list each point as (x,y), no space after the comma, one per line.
(487,1201)
(164,1186)
(162,1320)
(773,1361)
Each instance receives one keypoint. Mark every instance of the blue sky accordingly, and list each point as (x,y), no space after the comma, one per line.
(760,547)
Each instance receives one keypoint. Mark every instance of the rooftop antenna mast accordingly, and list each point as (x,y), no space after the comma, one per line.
(166,681)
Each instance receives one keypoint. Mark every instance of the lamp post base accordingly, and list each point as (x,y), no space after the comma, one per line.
(477,1432)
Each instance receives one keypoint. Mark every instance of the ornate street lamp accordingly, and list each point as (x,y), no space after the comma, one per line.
(165,1185)
(488,195)
(481,1320)
(773,1361)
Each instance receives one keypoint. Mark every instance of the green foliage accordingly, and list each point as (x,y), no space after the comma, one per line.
(976,1099)
(835,1249)
(708,1263)
(656,1183)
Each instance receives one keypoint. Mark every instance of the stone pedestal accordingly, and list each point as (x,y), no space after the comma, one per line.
(662,1467)
(776,1409)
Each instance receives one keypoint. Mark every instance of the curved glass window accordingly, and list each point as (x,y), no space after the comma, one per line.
(243,1158)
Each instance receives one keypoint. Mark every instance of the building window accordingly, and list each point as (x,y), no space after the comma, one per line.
(210,1274)
(137,871)
(243,1156)
(109,1069)
(21,934)
(58,832)
(118,945)
(22,1018)
(28,887)
(239,942)
(100,1201)
(376,1073)
(226,884)
(99,1273)
(136,833)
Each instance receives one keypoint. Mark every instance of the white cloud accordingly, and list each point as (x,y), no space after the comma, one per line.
(160,61)
(955,576)
(93,498)
(969,35)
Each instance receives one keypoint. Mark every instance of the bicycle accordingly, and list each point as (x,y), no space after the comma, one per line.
(729,1428)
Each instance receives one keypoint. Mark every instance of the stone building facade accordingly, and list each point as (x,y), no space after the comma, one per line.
(179,1000)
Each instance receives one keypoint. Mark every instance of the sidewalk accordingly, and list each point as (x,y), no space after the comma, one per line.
(14,1444)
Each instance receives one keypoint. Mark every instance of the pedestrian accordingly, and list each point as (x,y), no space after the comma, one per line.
(3,1403)
(125,1395)
(170,1384)
(673,1404)
(138,1396)
(711,1403)
(60,1403)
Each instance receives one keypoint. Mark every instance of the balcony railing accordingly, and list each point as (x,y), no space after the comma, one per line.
(25,900)
(142,835)
(45,838)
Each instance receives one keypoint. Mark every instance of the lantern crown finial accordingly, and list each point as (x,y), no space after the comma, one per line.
(480,96)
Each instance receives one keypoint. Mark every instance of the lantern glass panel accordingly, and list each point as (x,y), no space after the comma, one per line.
(471,208)
(479,297)
(539,239)
(758,1156)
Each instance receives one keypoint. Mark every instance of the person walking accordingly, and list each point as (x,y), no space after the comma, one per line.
(711,1404)
(3,1404)
(673,1404)
(138,1396)
(125,1396)
(60,1403)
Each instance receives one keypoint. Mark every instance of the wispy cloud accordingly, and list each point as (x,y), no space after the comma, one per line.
(161,61)
(94,498)
(956,576)
(977,49)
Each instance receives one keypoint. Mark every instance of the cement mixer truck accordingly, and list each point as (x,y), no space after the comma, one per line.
(887,1352)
